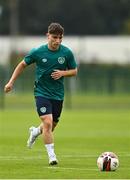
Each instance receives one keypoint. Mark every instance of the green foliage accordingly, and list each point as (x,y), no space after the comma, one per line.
(84,17)
(126,29)
(104,78)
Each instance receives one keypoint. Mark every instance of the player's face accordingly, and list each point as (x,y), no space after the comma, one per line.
(54,41)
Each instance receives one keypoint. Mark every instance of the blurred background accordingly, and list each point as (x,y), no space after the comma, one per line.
(97,31)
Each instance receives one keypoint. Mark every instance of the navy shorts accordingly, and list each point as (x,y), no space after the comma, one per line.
(49,106)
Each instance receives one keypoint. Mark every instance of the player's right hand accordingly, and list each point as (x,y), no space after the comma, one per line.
(8,87)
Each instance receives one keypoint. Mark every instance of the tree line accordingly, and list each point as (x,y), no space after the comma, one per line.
(81,17)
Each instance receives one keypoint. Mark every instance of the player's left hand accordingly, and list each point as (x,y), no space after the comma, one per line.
(57,74)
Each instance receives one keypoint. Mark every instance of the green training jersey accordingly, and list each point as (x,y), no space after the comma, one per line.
(46,62)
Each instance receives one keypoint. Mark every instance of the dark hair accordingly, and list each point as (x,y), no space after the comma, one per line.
(55,28)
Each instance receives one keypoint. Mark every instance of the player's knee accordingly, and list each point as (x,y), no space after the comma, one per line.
(47,125)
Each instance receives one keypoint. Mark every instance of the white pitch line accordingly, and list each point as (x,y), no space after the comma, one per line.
(4,157)
(80,169)
(41,157)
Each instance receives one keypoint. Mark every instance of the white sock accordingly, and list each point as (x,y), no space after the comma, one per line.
(50,150)
(37,131)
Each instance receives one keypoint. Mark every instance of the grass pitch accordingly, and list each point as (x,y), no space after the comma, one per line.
(81,136)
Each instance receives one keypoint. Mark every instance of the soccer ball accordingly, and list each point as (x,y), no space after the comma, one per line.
(108,161)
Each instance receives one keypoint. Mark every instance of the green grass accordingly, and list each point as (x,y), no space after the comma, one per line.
(81,136)
(82,101)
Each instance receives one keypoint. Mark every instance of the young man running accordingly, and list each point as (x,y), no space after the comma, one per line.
(53,62)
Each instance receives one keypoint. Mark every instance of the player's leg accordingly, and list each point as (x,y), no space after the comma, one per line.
(44,109)
(49,112)
(48,137)
(49,124)
(50,120)
(34,132)
(54,124)
(47,128)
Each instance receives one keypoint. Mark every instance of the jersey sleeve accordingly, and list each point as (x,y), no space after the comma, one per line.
(30,57)
(71,61)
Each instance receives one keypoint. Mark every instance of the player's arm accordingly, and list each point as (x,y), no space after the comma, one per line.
(71,72)
(18,70)
(58,73)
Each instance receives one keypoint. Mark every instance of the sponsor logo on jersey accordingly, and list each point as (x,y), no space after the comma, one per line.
(44,60)
(61,60)
(43,109)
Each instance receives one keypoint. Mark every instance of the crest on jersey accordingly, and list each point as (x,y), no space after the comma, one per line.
(43,109)
(44,60)
(61,60)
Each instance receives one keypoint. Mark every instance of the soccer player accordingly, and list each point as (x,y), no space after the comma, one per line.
(54,61)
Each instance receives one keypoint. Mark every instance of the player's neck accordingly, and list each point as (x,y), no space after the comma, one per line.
(53,48)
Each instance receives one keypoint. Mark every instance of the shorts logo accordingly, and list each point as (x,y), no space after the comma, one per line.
(43,109)
(61,60)
(44,60)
